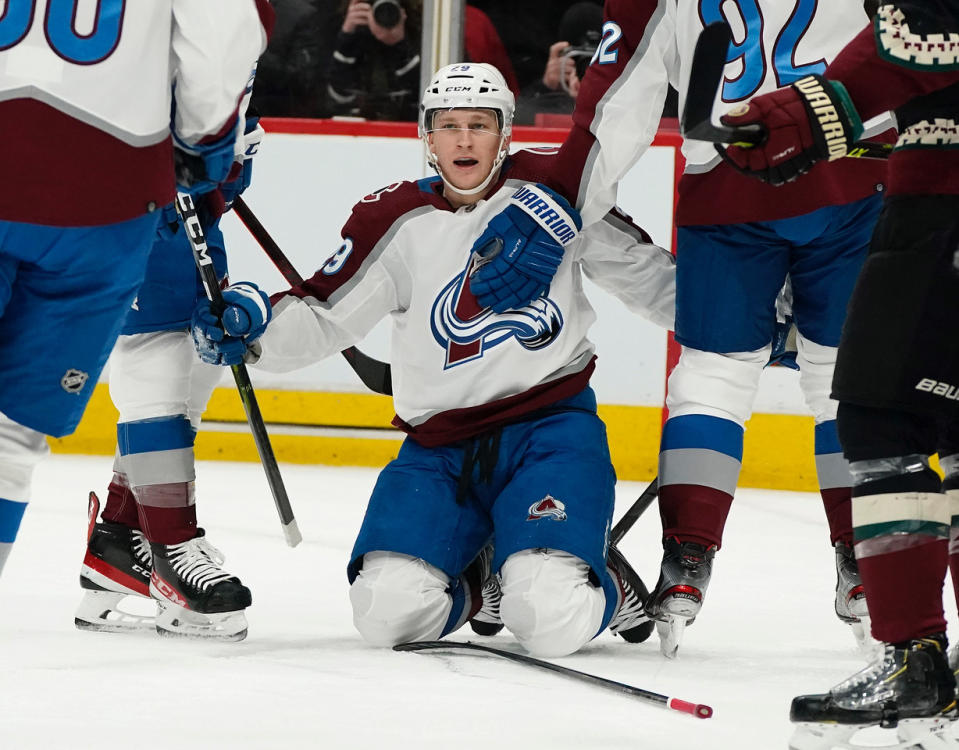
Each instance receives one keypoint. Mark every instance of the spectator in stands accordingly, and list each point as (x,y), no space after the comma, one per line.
(482,44)
(374,68)
(527,28)
(580,29)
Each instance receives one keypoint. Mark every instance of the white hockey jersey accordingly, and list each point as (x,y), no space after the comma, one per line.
(85,99)
(649,43)
(459,368)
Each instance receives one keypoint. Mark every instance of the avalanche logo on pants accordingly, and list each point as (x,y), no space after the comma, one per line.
(549,508)
(466,329)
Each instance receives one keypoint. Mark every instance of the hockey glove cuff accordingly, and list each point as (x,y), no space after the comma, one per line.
(241,172)
(200,168)
(522,247)
(810,120)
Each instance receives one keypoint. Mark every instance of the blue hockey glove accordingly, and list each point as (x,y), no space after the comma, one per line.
(202,167)
(524,245)
(224,340)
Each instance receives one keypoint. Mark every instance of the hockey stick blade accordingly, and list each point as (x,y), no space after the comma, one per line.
(637,509)
(375,375)
(699,710)
(705,78)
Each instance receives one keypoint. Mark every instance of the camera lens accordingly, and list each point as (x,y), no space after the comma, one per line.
(386,13)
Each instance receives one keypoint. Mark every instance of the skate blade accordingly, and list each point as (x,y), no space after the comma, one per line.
(670,630)
(177,622)
(911,734)
(113,612)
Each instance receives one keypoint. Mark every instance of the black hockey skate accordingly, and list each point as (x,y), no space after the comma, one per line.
(851,598)
(197,598)
(678,596)
(116,569)
(911,689)
(487,620)
(629,621)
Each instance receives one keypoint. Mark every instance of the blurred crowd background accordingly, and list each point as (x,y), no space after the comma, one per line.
(361,58)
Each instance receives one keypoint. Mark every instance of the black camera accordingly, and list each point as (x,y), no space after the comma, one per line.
(387,13)
(582,53)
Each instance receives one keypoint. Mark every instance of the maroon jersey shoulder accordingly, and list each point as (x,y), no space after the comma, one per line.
(532,165)
(367,232)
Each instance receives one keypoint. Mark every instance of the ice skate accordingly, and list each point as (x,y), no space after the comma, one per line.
(197,598)
(115,577)
(629,621)
(678,596)
(851,599)
(487,621)
(905,698)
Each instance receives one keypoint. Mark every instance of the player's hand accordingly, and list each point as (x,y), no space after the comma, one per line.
(524,245)
(201,167)
(810,120)
(224,340)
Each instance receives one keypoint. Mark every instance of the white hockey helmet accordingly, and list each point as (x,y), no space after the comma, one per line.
(468,86)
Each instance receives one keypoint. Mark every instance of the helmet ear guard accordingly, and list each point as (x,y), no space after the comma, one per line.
(468,86)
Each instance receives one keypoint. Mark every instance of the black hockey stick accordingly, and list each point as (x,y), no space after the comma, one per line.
(637,509)
(375,375)
(204,263)
(705,78)
(699,710)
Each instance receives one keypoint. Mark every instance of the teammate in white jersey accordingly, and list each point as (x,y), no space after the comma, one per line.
(503,436)
(85,101)
(738,240)
(148,542)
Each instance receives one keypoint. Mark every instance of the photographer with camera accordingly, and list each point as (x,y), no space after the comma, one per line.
(580,30)
(375,65)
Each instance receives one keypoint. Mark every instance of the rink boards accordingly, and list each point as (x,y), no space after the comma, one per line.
(307,176)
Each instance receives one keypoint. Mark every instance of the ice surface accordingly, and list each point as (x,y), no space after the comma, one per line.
(305,679)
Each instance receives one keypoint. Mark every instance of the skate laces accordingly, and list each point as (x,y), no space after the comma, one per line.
(141,548)
(197,562)
(630,612)
(492,594)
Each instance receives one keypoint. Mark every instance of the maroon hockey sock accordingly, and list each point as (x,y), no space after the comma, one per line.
(694,513)
(838,504)
(121,505)
(167,512)
(904,590)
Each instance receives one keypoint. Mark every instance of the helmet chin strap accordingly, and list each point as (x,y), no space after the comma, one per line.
(434,162)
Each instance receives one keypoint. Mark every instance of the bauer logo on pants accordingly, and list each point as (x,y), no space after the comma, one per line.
(549,507)
(73,380)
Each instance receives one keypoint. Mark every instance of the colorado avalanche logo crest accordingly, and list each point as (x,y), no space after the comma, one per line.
(466,329)
(549,508)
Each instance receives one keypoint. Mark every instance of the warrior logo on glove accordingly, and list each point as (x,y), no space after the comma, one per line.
(822,106)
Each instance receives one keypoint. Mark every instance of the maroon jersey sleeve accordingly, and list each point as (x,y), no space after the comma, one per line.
(859,67)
